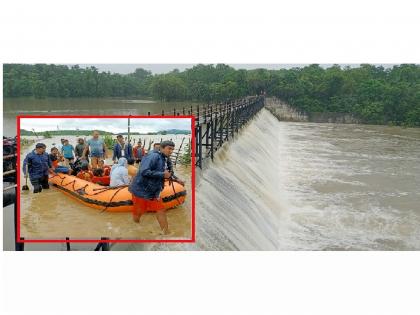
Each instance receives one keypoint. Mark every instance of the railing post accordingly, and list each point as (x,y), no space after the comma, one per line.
(212,139)
(102,245)
(105,246)
(19,246)
(200,146)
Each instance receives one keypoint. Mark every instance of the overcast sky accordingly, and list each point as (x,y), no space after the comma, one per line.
(114,125)
(164,68)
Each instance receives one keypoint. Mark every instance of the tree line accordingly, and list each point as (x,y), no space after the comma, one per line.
(374,94)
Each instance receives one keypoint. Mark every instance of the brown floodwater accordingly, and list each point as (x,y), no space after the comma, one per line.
(83,106)
(53,215)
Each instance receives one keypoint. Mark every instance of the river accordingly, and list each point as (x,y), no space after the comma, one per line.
(310,186)
(82,106)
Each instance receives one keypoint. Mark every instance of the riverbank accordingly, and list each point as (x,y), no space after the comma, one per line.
(284,112)
(12,107)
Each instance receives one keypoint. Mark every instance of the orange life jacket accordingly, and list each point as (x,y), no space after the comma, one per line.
(86,175)
(107,170)
(102,180)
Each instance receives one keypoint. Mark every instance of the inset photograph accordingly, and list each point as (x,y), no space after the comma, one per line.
(89,179)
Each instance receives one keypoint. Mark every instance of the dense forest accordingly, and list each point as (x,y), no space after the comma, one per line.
(374,94)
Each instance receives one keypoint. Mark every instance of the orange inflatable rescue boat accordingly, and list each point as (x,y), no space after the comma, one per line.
(112,199)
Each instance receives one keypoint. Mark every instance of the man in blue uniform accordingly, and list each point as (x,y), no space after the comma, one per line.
(37,165)
(122,149)
(148,184)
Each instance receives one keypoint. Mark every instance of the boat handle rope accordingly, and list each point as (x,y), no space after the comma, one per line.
(171,182)
(99,190)
(109,203)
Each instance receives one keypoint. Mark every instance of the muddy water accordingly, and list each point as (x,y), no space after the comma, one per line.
(307,186)
(53,215)
(83,106)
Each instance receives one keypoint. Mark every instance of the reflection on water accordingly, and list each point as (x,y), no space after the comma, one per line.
(54,215)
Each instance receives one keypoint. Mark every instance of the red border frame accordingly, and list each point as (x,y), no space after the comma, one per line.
(192,240)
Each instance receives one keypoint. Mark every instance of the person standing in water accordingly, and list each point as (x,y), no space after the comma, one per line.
(80,147)
(138,152)
(37,165)
(122,149)
(97,149)
(149,183)
(67,151)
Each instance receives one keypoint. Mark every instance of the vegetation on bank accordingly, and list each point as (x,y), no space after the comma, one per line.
(51,133)
(373,94)
(185,158)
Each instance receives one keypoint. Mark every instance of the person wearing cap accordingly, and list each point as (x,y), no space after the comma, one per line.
(147,185)
(169,166)
(37,165)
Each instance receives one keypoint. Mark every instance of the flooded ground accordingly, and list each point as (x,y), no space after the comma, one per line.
(53,215)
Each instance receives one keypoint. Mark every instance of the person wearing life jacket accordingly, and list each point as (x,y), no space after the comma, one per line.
(138,152)
(106,168)
(147,185)
(37,165)
(85,173)
(55,158)
(122,149)
(119,173)
(99,178)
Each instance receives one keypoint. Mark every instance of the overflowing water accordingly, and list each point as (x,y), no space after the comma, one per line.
(307,186)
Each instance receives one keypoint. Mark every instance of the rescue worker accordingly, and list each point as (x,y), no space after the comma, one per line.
(37,165)
(149,183)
